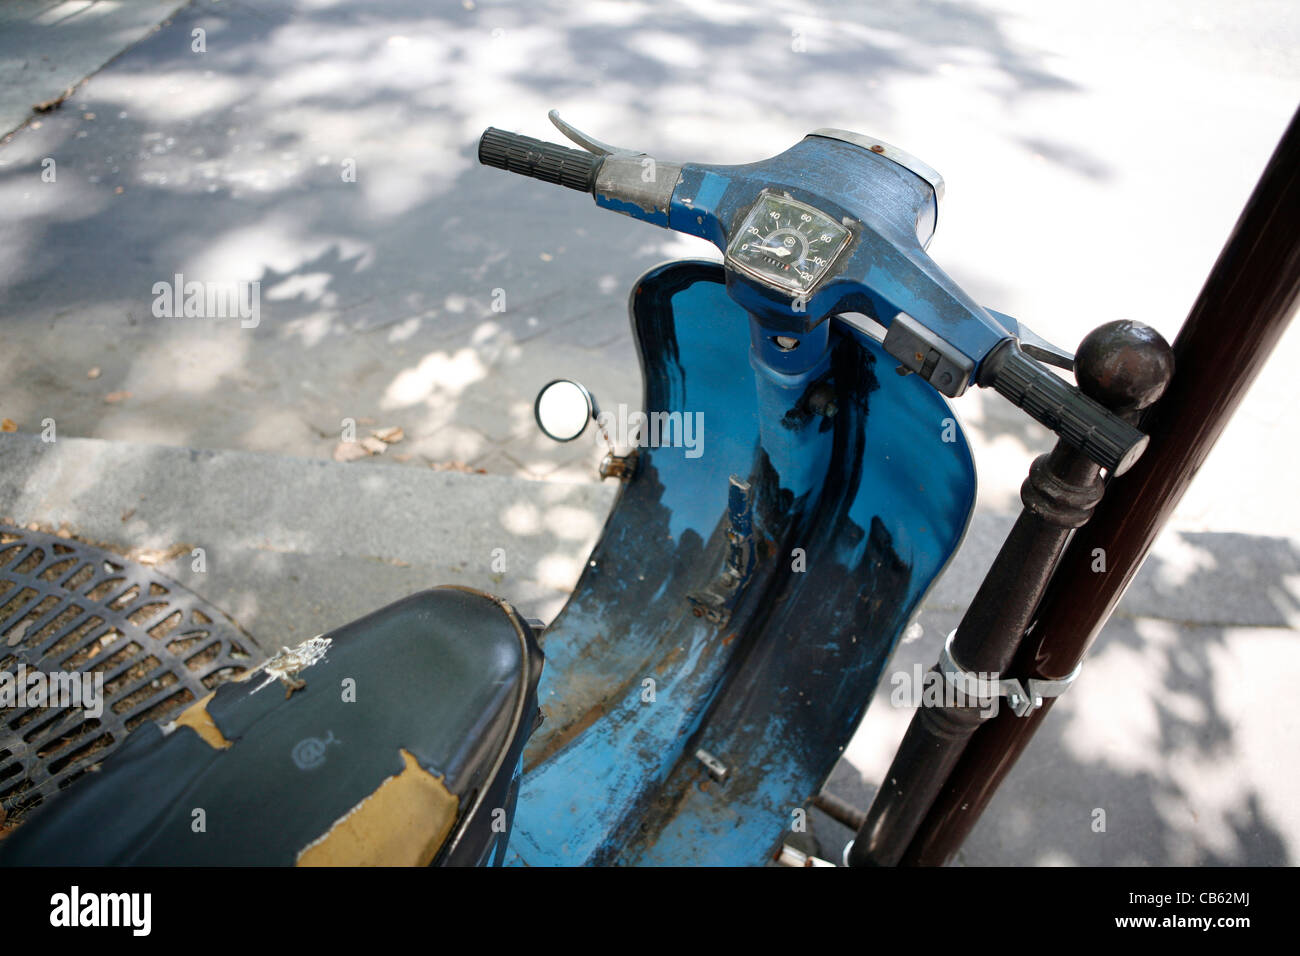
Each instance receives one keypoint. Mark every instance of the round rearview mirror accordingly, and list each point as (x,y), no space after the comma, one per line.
(563,409)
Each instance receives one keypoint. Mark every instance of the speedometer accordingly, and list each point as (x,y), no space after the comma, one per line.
(786,243)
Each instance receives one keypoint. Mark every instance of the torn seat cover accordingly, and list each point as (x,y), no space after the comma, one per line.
(391,740)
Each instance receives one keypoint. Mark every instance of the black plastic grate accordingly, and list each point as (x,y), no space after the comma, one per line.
(67,607)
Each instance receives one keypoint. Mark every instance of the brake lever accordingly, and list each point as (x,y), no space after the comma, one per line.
(589,143)
(1033,344)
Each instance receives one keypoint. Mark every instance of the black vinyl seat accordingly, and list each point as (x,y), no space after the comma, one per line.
(395,739)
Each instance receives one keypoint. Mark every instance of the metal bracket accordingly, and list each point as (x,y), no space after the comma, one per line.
(1022,697)
(716,600)
(923,352)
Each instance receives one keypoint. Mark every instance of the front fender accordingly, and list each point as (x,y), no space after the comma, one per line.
(856,492)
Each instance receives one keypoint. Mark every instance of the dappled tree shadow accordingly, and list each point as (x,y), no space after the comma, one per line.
(1169,730)
(231,166)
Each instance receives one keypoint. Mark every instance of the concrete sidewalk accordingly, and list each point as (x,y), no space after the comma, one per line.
(1096,156)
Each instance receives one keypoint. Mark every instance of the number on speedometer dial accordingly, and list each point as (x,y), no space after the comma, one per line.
(786,243)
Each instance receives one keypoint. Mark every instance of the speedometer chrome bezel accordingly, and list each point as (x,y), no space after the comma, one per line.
(795,286)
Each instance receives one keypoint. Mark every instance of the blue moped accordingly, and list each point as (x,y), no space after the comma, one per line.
(795,484)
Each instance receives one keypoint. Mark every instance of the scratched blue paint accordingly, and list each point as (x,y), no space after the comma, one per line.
(710,190)
(921,489)
(879,501)
(657,217)
(572,803)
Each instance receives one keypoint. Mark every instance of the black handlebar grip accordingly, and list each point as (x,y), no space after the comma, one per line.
(548,162)
(1083,422)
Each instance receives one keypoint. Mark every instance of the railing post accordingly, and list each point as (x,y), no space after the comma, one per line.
(1243,309)
(1124,366)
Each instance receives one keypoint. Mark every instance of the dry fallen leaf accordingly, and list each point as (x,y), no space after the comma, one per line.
(456,466)
(8,425)
(391,435)
(93,373)
(154,556)
(373,445)
(112,398)
(349,451)
(51,104)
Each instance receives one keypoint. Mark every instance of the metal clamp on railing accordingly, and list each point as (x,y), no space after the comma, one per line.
(1022,697)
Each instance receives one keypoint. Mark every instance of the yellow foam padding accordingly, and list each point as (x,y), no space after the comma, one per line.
(403,823)
(197,718)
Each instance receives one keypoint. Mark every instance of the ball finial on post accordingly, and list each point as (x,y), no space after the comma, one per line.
(1124,365)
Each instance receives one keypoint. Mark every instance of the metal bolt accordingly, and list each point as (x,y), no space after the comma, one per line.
(716,768)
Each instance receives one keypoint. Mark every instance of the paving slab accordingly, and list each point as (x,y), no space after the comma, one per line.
(293,547)
(49,46)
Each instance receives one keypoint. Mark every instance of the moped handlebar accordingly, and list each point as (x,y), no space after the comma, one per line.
(962,342)
(1080,420)
(574,168)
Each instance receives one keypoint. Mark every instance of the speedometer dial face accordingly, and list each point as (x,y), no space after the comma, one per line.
(786,243)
